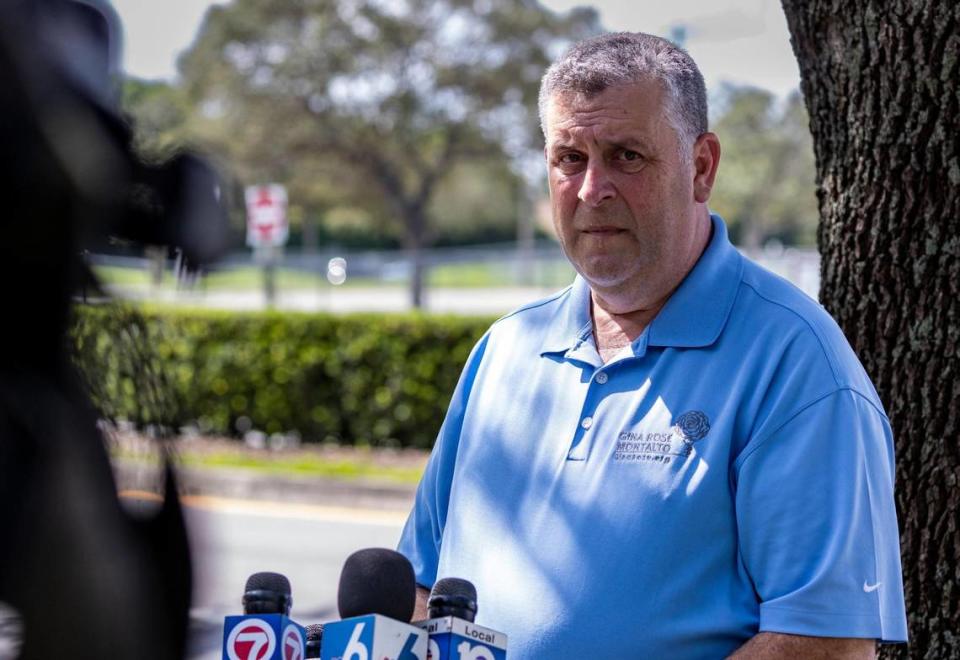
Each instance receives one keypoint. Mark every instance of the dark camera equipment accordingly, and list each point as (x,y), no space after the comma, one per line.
(80,571)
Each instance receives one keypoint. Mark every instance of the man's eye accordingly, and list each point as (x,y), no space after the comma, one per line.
(629,155)
(570,158)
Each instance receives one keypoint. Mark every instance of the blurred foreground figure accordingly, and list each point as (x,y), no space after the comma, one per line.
(86,578)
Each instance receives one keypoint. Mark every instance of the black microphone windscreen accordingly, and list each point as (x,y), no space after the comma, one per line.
(453,597)
(267,581)
(452,586)
(377,581)
(267,593)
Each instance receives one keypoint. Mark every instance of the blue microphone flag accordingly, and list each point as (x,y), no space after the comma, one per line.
(452,638)
(372,637)
(263,637)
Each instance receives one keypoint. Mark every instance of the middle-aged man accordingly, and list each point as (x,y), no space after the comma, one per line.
(679,456)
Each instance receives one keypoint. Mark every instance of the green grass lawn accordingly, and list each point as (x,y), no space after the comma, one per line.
(234,279)
(296,464)
(120,276)
(252,278)
(306,466)
(479,274)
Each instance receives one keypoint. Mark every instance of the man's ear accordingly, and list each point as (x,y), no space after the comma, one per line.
(706,160)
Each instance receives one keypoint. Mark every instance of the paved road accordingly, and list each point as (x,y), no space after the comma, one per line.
(308,543)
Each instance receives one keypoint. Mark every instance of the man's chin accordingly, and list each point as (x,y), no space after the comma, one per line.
(601,279)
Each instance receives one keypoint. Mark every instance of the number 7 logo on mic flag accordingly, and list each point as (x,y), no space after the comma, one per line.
(252,639)
(292,644)
(263,637)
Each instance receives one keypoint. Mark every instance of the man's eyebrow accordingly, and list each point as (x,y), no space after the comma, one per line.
(625,142)
(631,142)
(560,143)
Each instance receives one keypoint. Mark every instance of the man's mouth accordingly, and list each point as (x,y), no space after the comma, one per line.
(603,231)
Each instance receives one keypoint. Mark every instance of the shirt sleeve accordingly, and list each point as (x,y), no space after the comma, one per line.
(422,535)
(817,522)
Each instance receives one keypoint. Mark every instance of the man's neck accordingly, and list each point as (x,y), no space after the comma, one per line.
(614,329)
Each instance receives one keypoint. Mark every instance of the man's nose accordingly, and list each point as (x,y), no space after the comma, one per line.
(596,187)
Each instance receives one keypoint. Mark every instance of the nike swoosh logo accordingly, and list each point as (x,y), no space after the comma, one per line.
(867,588)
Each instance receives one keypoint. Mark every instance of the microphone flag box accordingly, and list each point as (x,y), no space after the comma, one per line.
(263,637)
(452,638)
(372,637)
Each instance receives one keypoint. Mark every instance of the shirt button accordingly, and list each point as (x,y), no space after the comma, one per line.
(601,377)
(587,422)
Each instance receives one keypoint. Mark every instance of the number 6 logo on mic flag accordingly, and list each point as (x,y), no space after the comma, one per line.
(251,639)
(292,644)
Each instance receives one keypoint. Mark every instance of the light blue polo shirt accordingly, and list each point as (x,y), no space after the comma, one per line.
(731,472)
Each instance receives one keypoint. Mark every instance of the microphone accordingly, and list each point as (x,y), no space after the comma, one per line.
(453,597)
(267,593)
(452,607)
(377,581)
(314,640)
(375,598)
(264,630)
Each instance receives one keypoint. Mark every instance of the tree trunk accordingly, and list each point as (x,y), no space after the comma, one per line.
(415,222)
(526,234)
(881,81)
(415,257)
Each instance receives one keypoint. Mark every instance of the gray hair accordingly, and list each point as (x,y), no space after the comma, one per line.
(591,66)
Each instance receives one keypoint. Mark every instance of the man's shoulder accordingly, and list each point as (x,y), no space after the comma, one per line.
(774,309)
(534,315)
(782,301)
(523,332)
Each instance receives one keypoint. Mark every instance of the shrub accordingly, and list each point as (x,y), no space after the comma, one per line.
(377,379)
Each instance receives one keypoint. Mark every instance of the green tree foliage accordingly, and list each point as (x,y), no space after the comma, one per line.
(378,101)
(476,203)
(159,112)
(765,187)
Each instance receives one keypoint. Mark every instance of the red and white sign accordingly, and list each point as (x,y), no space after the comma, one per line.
(266,215)
(251,639)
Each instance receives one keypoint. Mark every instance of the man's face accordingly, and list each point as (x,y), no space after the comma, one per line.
(622,199)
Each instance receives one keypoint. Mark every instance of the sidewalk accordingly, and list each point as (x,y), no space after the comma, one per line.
(252,484)
(137,470)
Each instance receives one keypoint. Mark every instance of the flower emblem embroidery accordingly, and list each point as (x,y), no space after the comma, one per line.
(691,426)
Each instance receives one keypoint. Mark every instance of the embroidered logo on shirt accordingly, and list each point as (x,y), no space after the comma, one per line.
(691,426)
(664,446)
(872,587)
(637,446)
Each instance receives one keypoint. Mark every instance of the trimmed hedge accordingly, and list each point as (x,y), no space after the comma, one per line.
(377,379)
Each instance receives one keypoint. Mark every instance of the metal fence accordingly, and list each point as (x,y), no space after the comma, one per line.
(475,279)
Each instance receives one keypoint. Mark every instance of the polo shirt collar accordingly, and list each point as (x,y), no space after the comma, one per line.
(693,317)
(697,311)
(571,325)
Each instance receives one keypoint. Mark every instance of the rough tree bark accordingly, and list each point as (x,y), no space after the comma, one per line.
(881,81)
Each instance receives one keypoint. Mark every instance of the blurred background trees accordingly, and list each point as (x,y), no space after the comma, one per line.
(414,124)
(765,185)
(368,111)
